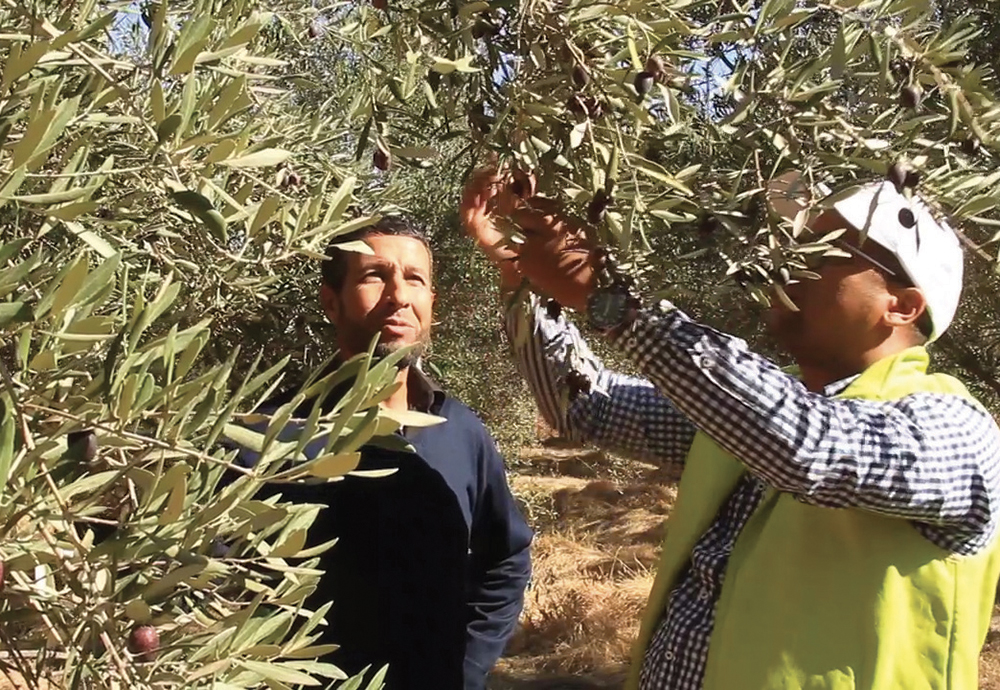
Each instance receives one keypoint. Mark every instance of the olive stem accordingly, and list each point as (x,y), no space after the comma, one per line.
(114,655)
(145,439)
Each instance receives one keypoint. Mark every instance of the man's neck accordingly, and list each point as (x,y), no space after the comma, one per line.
(400,400)
(817,378)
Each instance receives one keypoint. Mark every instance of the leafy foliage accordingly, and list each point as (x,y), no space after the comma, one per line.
(168,179)
(661,123)
(147,195)
(553,85)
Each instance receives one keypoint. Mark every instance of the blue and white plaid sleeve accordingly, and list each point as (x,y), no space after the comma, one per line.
(930,458)
(622,414)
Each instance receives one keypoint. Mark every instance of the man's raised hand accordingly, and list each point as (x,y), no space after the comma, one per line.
(555,256)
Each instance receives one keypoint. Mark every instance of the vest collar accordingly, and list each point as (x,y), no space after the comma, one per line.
(912,360)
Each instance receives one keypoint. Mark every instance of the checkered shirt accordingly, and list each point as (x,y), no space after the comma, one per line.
(928,458)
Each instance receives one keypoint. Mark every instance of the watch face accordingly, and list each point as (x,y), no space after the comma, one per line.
(607,308)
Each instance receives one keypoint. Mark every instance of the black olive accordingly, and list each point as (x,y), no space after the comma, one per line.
(597,206)
(576,105)
(643,83)
(897,175)
(909,96)
(709,225)
(595,108)
(219,548)
(577,383)
(553,309)
(479,119)
(82,445)
(484,28)
(970,147)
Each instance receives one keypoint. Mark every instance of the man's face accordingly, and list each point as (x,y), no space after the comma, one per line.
(386,293)
(841,313)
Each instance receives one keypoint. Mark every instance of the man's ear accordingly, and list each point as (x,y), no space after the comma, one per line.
(906,307)
(330,302)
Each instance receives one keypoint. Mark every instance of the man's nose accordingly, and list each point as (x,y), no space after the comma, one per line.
(397,290)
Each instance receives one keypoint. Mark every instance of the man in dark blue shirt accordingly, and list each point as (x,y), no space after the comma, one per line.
(429,572)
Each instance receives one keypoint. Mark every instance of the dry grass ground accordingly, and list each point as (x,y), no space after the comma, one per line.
(599,523)
(989,660)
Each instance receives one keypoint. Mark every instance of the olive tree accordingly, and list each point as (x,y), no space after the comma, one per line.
(153,193)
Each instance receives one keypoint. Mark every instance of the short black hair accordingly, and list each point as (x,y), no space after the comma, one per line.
(924,326)
(334,269)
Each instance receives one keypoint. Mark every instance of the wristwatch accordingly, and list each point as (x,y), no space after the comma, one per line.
(610,304)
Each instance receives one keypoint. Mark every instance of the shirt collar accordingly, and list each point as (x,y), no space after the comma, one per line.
(425,394)
(838,387)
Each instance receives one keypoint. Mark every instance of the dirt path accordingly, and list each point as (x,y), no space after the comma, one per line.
(599,523)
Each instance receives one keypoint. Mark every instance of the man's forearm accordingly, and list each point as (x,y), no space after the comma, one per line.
(510,278)
(492,624)
(619,413)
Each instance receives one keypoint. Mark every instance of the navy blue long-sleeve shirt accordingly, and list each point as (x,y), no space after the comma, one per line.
(432,561)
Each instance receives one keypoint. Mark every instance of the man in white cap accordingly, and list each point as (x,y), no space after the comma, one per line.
(836,525)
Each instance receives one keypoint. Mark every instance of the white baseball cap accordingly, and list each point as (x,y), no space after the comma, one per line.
(927,249)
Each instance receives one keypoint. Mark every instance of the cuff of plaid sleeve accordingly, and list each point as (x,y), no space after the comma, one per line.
(643,321)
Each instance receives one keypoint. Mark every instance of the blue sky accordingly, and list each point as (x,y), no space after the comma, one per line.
(128,34)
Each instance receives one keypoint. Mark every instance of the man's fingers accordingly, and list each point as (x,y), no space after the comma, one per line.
(555,255)
(564,273)
(482,189)
(543,218)
(476,195)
